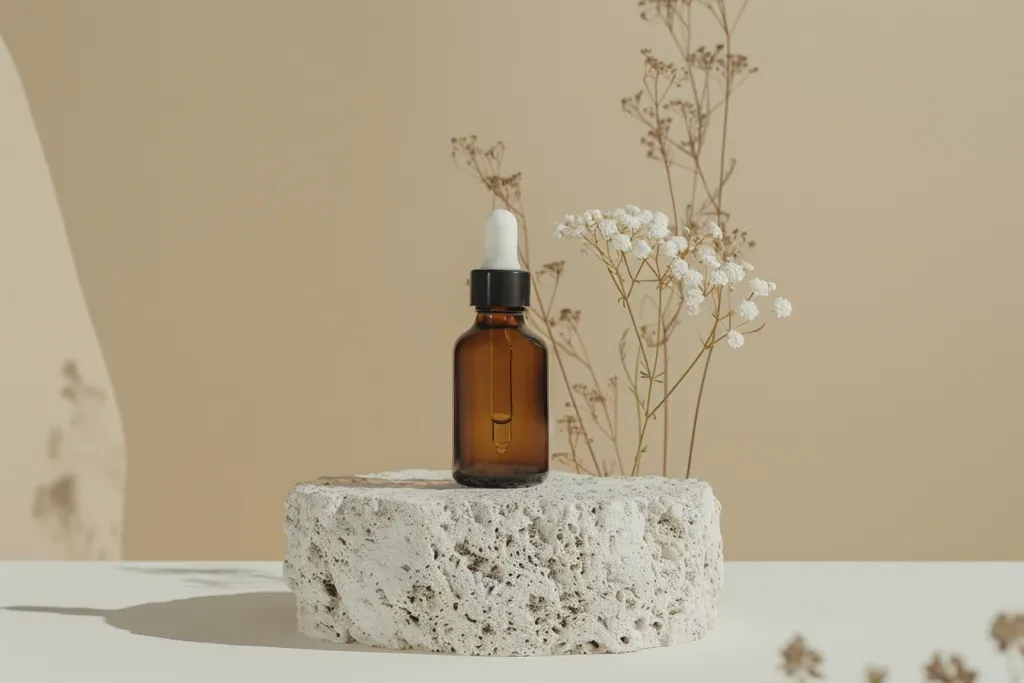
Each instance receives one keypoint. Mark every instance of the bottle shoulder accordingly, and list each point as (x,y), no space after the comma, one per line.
(519,336)
(534,338)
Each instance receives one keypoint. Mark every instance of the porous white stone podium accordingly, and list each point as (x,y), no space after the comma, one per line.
(578,564)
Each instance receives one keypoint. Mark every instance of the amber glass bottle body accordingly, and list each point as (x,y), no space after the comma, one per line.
(501,402)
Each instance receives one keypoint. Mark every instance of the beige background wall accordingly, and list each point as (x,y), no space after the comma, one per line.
(274,244)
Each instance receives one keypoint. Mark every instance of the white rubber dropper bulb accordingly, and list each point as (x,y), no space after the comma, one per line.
(501,241)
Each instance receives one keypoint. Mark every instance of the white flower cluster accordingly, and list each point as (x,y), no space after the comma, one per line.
(619,227)
(694,258)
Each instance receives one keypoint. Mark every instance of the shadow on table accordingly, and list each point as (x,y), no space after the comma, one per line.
(213,576)
(264,619)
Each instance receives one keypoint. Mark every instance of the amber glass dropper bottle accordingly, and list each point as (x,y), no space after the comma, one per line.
(501,373)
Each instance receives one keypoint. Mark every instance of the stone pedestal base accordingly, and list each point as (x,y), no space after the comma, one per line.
(576,565)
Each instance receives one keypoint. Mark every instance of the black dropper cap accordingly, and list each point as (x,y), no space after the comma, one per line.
(490,288)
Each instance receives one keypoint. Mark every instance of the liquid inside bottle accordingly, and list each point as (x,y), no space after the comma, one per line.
(501,389)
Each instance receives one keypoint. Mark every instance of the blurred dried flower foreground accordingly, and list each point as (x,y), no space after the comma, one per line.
(802,663)
(62,458)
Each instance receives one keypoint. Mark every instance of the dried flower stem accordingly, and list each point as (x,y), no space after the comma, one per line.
(675,229)
(680,25)
(612,425)
(625,279)
(545,317)
(718,209)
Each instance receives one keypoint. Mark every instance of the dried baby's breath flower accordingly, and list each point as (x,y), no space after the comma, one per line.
(719,278)
(747,310)
(632,223)
(734,339)
(782,308)
(713,231)
(708,257)
(658,232)
(693,296)
(572,227)
(674,246)
(759,287)
(679,268)
(659,220)
(641,249)
(658,66)
(734,272)
(693,278)
(705,59)
(620,242)
(693,299)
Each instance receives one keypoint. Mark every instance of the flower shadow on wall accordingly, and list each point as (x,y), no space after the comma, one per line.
(73,506)
(662,265)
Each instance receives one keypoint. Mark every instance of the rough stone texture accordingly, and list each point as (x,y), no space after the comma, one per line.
(577,565)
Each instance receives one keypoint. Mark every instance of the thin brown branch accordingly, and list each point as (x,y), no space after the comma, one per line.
(612,432)
(700,390)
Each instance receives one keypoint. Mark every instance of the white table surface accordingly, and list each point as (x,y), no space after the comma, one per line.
(197,622)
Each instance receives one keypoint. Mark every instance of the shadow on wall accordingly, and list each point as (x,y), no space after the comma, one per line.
(81,455)
(62,457)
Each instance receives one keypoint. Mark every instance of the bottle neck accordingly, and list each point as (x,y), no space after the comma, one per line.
(499,316)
